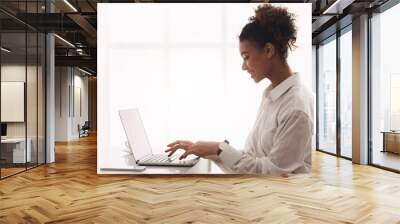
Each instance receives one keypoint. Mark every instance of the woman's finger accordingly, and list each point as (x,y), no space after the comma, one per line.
(174,147)
(171,153)
(184,155)
(182,146)
(173,143)
(170,149)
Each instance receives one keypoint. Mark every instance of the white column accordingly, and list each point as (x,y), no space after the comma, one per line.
(50,103)
(50,92)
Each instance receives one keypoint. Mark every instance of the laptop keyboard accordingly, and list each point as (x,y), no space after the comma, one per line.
(163,159)
(158,159)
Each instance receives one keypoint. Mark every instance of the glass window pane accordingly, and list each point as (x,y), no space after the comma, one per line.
(41,98)
(22,63)
(186,23)
(385,86)
(138,32)
(346,94)
(13,86)
(141,80)
(327,96)
(193,95)
(31,100)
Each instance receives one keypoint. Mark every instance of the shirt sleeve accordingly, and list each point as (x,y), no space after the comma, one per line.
(292,144)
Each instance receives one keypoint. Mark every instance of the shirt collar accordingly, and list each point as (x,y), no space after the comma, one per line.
(275,93)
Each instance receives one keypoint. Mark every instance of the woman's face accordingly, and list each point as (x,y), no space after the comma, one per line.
(255,62)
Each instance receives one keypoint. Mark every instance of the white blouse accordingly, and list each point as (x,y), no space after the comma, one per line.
(281,138)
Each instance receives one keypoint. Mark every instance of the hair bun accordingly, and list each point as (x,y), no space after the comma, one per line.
(277,25)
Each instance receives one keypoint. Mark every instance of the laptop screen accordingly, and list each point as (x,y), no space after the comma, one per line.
(3,129)
(135,132)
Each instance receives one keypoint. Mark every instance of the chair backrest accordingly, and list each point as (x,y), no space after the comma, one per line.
(86,125)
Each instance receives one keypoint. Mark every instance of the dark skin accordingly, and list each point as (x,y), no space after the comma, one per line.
(260,64)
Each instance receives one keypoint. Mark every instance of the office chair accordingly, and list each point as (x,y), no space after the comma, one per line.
(84,130)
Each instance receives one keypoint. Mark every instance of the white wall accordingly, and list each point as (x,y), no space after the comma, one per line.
(67,116)
(80,83)
(62,81)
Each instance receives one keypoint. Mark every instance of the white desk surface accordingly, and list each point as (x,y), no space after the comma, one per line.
(13,140)
(124,159)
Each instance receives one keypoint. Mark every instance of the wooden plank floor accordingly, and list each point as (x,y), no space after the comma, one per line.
(10,171)
(70,191)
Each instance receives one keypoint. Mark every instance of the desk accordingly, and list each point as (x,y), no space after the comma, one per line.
(391,141)
(16,147)
(124,159)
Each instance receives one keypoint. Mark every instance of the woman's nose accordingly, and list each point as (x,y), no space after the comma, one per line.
(244,66)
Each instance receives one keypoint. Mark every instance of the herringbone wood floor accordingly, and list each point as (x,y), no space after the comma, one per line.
(70,191)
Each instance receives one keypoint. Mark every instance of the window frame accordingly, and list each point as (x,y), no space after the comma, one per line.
(333,37)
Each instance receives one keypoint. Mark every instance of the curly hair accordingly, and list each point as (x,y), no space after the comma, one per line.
(271,24)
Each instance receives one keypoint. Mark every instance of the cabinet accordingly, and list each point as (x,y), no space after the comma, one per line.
(391,141)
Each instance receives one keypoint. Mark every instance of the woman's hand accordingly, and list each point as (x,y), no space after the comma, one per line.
(180,144)
(200,148)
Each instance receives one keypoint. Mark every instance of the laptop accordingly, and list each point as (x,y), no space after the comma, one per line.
(139,143)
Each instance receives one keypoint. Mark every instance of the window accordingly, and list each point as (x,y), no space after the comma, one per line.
(346,93)
(22,65)
(394,102)
(385,89)
(326,139)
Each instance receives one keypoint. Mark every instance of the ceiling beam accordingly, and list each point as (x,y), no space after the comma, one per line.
(83,23)
(337,6)
(85,61)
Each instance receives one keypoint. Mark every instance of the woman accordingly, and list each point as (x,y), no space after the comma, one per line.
(280,141)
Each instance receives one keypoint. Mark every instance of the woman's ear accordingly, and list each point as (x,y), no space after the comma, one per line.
(269,50)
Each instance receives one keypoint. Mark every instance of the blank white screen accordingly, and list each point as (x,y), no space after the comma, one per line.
(12,101)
